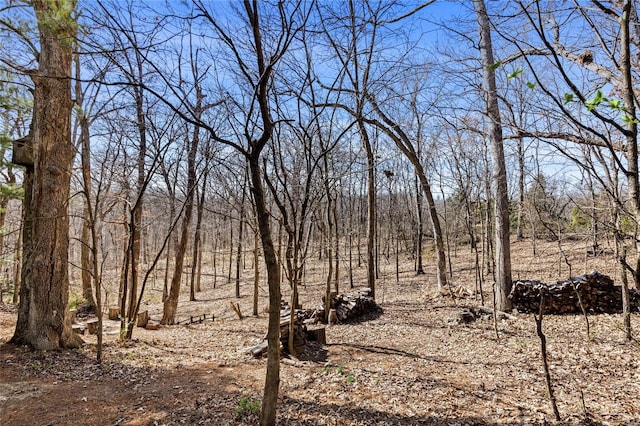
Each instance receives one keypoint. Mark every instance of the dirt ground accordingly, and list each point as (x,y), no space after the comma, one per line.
(411,365)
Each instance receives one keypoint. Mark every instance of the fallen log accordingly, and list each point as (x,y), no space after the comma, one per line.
(258,350)
(594,292)
(499,314)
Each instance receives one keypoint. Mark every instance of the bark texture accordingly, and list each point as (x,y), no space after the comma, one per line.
(500,194)
(45,289)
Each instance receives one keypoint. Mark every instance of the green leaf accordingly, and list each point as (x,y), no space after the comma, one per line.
(495,66)
(596,101)
(515,73)
(629,120)
(615,104)
(568,97)
(531,85)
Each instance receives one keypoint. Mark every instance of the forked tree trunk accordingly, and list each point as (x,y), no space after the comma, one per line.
(45,290)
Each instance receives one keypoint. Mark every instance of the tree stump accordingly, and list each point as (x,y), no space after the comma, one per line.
(92,325)
(143,319)
(114,314)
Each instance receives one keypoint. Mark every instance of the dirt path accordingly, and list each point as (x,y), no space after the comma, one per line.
(408,366)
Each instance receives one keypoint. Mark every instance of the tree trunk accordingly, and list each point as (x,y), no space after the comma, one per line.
(435,223)
(240,236)
(171,303)
(501,195)
(171,243)
(631,134)
(420,230)
(519,231)
(17,275)
(371,209)
(256,270)
(87,220)
(135,225)
(272,379)
(402,141)
(196,259)
(45,290)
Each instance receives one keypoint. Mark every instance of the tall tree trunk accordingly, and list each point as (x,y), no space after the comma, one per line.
(240,236)
(256,269)
(336,242)
(85,259)
(519,231)
(435,223)
(87,222)
(45,290)
(171,303)
(631,134)
(631,137)
(371,208)
(420,230)
(173,241)
(135,225)
(197,255)
(501,195)
(272,379)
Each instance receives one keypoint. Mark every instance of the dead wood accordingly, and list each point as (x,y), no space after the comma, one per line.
(543,351)
(236,308)
(591,293)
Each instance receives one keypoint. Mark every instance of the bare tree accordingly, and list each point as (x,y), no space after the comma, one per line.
(500,192)
(254,64)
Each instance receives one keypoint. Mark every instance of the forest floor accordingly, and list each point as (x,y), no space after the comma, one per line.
(411,365)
